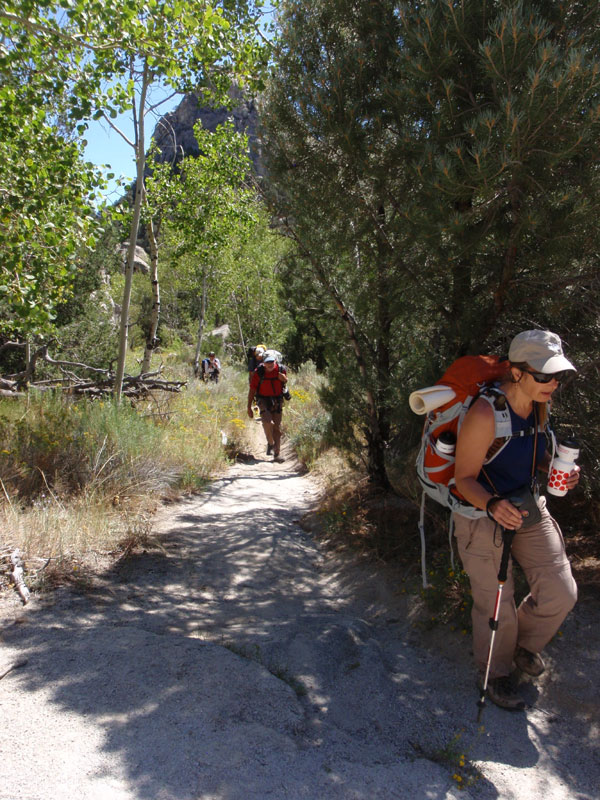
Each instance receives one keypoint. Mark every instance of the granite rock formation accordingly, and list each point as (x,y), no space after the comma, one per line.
(174,133)
(141,260)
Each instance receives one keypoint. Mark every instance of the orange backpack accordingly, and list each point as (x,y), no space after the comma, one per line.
(467,378)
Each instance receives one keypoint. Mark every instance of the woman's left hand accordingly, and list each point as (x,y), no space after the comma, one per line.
(573,478)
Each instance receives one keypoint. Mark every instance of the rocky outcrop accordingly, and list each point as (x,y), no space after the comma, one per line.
(223,332)
(174,133)
(141,261)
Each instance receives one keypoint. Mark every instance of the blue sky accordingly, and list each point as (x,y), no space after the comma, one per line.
(106,146)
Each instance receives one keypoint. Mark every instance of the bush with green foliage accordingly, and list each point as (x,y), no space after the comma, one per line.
(307,423)
(435,164)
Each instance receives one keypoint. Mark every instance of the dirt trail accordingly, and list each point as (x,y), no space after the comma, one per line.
(239,661)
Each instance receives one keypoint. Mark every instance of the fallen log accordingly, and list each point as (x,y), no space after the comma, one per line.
(133,386)
(99,382)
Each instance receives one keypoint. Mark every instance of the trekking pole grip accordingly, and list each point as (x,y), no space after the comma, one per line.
(507,538)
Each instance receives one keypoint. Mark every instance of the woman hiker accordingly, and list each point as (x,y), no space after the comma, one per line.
(537,366)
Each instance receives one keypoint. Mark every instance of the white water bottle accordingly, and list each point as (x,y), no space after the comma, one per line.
(561,467)
(446,443)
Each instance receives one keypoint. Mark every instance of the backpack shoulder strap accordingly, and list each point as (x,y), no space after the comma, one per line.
(261,376)
(504,430)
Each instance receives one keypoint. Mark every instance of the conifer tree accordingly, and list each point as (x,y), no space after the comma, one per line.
(333,157)
(503,113)
(436,163)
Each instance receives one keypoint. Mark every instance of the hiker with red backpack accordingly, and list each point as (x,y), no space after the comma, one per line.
(497,476)
(268,387)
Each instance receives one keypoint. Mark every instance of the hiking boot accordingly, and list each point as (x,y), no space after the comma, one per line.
(502,693)
(529,663)
(269,449)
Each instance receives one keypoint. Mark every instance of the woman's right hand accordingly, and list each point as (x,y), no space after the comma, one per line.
(505,514)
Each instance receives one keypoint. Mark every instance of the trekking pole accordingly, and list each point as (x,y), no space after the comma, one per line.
(507,539)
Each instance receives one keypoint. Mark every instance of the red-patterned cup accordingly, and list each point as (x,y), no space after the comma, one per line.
(561,468)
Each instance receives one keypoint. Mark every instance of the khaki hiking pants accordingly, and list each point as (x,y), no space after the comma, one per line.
(271,420)
(540,551)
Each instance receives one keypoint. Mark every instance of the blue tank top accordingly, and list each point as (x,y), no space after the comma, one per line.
(511,468)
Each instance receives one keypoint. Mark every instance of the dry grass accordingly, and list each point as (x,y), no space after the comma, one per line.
(333,472)
(354,515)
(62,543)
(79,481)
(54,530)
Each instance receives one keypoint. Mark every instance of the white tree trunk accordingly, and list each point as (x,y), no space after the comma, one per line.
(197,357)
(155,313)
(28,364)
(239,322)
(17,576)
(140,158)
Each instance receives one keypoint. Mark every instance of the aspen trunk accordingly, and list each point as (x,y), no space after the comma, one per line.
(29,364)
(17,576)
(197,358)
(155,313)
(140,157)
(239,322)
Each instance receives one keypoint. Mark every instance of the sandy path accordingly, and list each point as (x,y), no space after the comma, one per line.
(242,663)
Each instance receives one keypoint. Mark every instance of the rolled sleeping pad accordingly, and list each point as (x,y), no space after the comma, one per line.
(424,400)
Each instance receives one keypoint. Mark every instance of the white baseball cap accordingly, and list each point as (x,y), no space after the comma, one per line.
(542,350)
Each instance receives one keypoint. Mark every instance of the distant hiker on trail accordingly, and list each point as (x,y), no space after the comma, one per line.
(255,357)
(499,476)
(267,385)
(211,368)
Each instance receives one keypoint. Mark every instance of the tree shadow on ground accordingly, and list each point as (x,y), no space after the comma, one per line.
(226,664)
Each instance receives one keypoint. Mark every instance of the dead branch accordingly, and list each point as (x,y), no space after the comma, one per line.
(100,385)
(86,367)
(17,576)
(21,662)
(6,345)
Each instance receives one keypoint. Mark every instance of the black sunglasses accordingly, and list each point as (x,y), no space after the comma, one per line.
(546,377)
